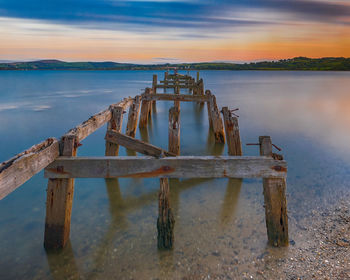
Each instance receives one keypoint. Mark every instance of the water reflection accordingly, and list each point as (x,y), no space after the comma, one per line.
(230,202)
(62,264)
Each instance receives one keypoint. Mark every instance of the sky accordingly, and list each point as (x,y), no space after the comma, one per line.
(157,31)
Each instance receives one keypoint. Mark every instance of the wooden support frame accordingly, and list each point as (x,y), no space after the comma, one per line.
(62,165)
(170,167)
(275,202)
(19,169)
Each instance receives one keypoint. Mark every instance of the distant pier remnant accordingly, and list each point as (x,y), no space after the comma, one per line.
(62,165)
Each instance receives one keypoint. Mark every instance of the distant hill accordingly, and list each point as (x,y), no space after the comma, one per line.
(297,63)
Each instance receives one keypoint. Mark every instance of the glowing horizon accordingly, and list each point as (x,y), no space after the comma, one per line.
(173,31)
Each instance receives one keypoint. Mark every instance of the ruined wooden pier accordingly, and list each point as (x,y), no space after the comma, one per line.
(62,166)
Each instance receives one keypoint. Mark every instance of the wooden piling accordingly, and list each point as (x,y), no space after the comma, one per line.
(232,133)
(154,91)
(114,124)
(145,110)
(174,130)
(197,76)
(133,117)
(59,202)
(275,202)
(215,121)
(165,221)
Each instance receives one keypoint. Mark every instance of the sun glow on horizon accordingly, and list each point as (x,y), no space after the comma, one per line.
(244,35)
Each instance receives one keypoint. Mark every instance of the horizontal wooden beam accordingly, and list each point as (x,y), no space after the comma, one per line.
(95,122)
(174,86)
(135,144)
(172,167)
(20,168)
(175,97)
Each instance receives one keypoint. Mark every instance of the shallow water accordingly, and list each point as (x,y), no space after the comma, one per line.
(220,225)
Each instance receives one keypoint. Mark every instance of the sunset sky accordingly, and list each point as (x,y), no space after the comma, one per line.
(173,31)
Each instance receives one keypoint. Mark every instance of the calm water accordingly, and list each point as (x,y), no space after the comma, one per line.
(218,221)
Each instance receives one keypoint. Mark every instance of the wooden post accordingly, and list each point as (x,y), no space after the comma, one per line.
(200,87)
(154,84)
(133,117)
(232,133)
(59,202)
(165,221)
(116,124)
(145,110)
(154,91)
(275,202)
(197,76)
(174,130)
(215,120)
(177,103)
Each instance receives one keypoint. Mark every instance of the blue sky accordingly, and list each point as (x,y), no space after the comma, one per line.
(222,25)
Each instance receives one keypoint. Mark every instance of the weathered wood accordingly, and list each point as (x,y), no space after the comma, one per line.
(145,109)
(177,97)
(174,130)
(115,123)
(154,90)
(92,124)
(215,120)
(165,221)
(133,116)
(275,202)
(136,145)
(171,167)
(176,85)
(19,169)
(197,76)
(232,133)
(59,201)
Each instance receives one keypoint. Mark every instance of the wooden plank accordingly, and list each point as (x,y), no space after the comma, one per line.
(133,116)
(136,145)
(176,85)
(95,122)
(172,167)
(275,202)
(19,169)
(174,130)
(177,97)
(232,133)
(59,202)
